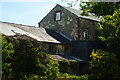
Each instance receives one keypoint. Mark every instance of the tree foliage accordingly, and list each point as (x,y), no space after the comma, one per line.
(23,57)
(109,25)
(7,54)
(104,65)
(29,57)
(53,70)
(26,60)
(99,8)
(110,32)
(71,3)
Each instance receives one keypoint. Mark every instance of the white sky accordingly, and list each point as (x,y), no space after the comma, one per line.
(28,13)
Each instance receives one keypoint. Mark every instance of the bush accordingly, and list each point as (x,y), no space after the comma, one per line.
(36,77)
(7,54)
(84,77)
(23,57)
(70,67)
(53,70)
(104,65)
(29,57)
(66,76)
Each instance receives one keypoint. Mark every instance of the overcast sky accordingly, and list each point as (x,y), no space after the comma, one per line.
(28,12)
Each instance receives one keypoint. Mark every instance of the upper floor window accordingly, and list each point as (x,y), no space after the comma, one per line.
(57,16)
(85,34)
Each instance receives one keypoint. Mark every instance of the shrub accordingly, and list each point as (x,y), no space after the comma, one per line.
(53,70)
(36,77)
(23,57)
(7,54)
(67,76)
(104,65)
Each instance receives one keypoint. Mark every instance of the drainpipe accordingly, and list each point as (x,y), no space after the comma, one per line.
(78,29)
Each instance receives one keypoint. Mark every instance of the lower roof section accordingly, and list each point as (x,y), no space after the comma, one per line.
(58,57)
(40,34)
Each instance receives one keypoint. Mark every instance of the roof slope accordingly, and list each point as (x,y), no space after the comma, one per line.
(58,57)
(78,13)
(40,34)
(58,36)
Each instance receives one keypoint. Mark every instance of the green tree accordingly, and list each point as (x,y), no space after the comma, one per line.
(29,57)
(99,8)
(109,25)
(25,58)
(7,54)
(110,32)
(104,65)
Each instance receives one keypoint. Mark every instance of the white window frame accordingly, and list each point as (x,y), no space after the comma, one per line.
(85,34)
(57,16)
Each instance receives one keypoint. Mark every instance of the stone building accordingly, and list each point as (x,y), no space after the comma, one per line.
(81,31)
(69,22)
(63,30)
(55,42)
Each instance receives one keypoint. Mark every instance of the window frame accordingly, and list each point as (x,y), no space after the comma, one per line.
(85,34)
(55,14)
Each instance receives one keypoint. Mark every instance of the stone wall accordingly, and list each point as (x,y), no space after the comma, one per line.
(69,23)
(90,26)
(66,25)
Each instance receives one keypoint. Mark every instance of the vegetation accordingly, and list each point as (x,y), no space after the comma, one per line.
(99,8)
(109,25)
(53,70)
(110,32)
(7,53)
(105,64)
(25,58)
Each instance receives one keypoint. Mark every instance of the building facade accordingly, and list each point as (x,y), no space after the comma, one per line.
(63,30)
(69,22)
(82,31)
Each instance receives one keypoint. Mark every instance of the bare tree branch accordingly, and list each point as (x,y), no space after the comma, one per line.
(71,3)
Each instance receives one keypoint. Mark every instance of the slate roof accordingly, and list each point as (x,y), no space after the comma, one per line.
(38,33)
(78,13)
(58,57)
(57,36)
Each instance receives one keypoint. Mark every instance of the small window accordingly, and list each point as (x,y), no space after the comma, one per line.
(85,34)
(57,16)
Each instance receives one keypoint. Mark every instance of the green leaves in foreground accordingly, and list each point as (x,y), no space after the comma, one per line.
(110,32)
(7,54)
(104,65)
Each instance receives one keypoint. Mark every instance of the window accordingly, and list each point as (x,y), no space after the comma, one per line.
(52,49)
(85,34)
(57,16)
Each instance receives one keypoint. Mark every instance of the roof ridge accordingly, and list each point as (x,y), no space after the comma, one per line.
(16,24)
(78,13)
